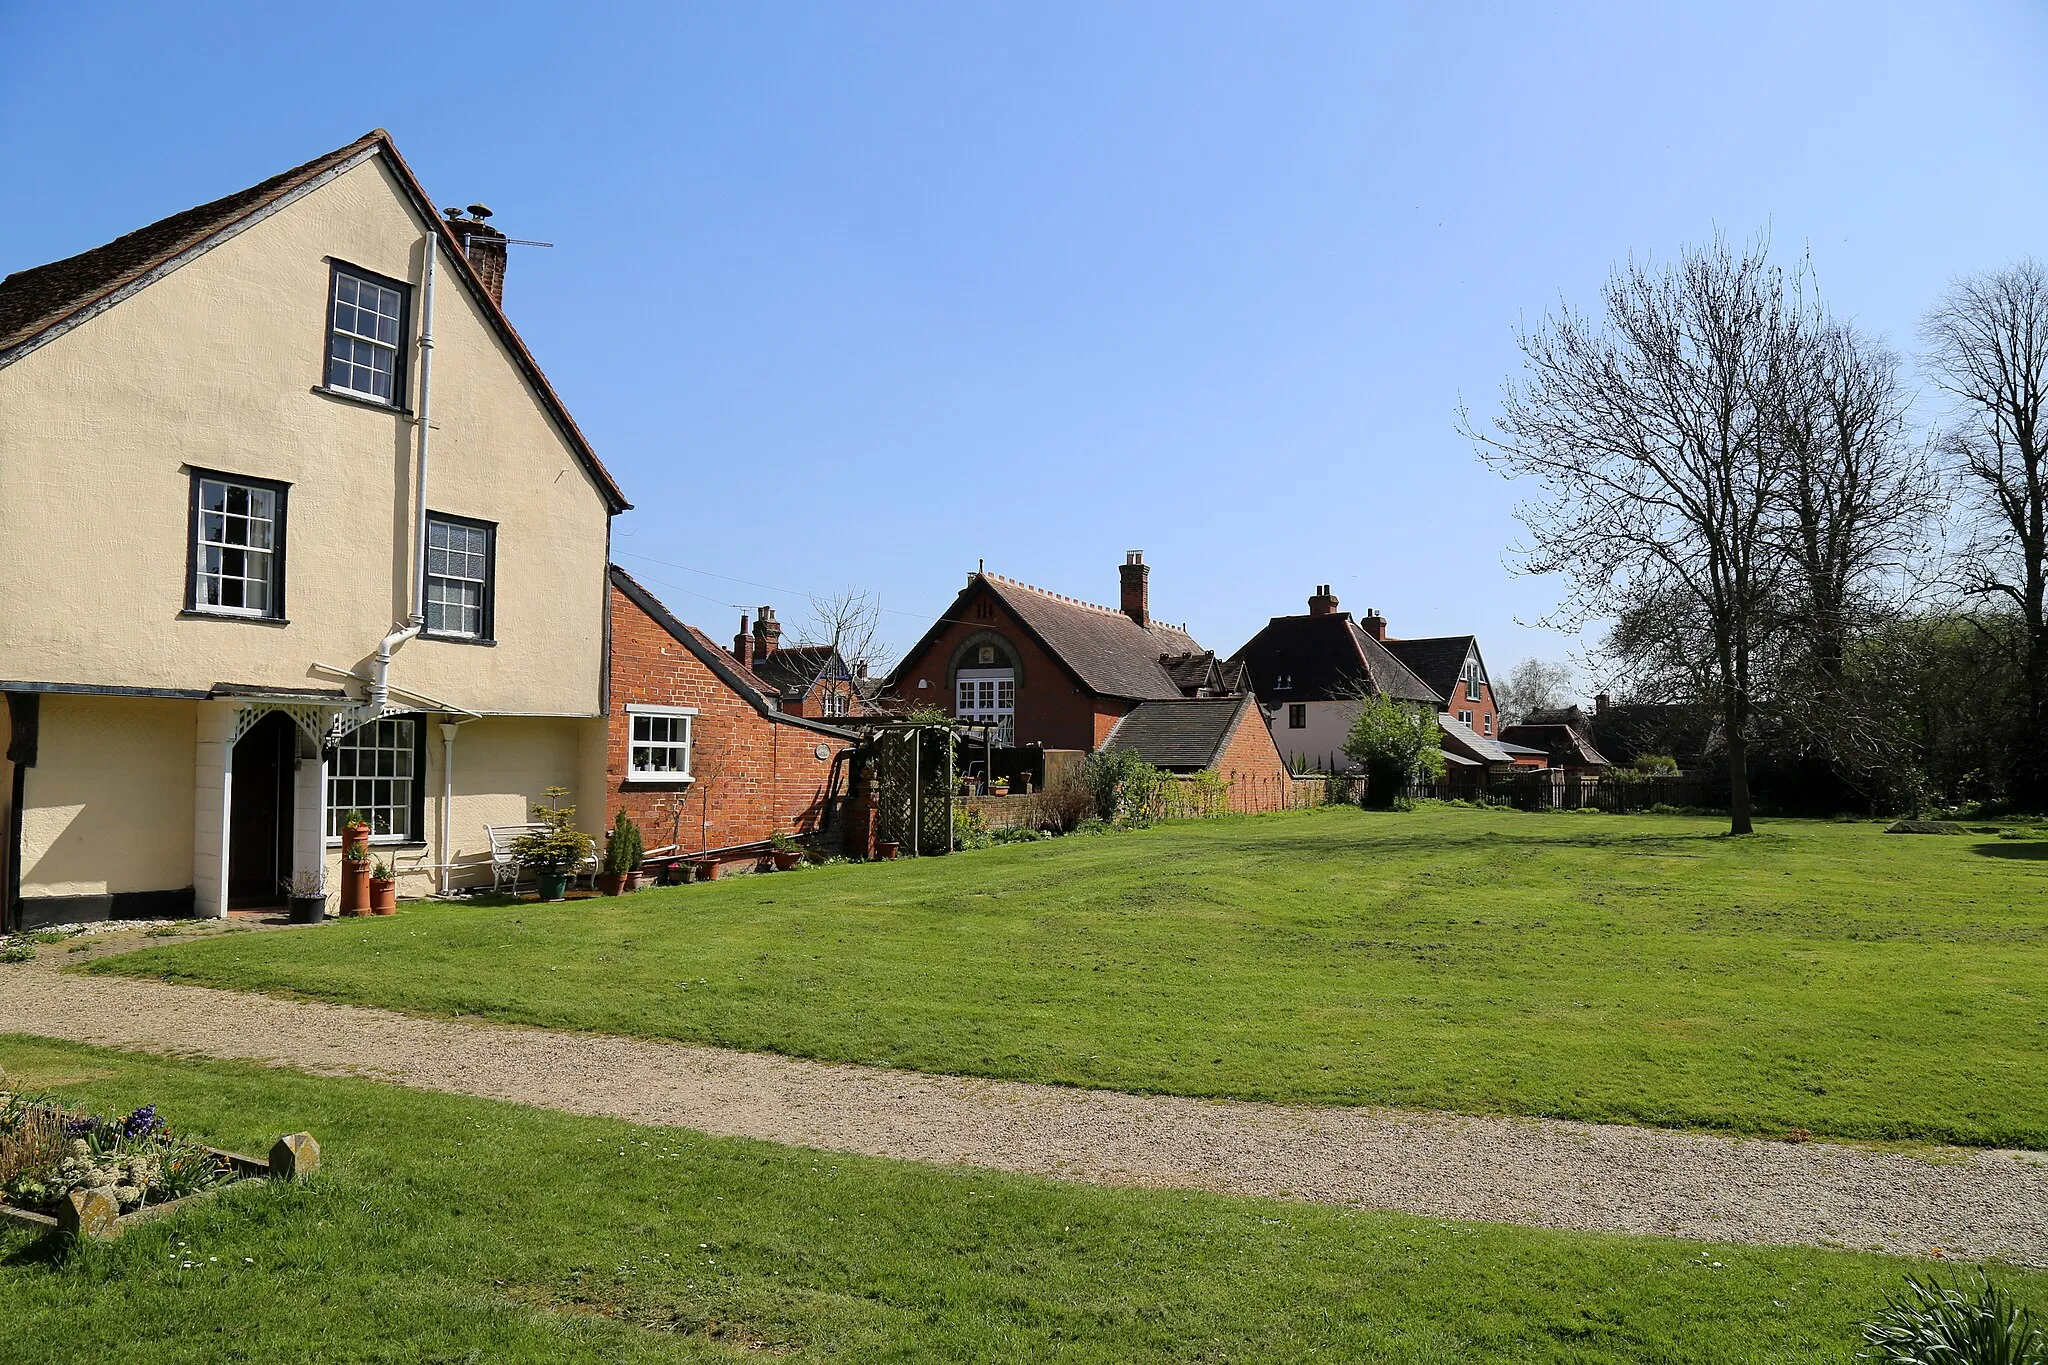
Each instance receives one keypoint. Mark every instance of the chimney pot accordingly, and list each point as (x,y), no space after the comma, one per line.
(1136,594)
(743,644)
(1375,624)
(1599,703)
(483,244)
(1322,602)
(767,633)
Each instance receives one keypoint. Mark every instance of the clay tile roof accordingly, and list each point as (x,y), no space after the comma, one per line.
(795,668)
(1325,658)
(1185,733)
(1111,654)
(1564,744)
(1438,660)
(36,303)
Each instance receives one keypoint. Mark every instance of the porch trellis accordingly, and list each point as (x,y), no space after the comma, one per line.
(914,779)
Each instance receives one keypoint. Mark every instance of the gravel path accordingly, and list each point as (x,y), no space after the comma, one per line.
(1539,1171)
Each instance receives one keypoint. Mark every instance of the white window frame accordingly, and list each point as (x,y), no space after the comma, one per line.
(1472,680)
(1464,718)
(394,349)
(411,751)
(993,683)
(450,524)
(1487,721)
(271,552)
(688,714)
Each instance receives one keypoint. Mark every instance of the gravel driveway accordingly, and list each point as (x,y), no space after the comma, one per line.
(1539,1171)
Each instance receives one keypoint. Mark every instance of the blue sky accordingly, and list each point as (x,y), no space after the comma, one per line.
(862,294)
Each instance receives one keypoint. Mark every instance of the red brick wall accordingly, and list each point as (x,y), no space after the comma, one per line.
(755,777)
(812,706)
(1052,709)
(1482,708)
(1251,764)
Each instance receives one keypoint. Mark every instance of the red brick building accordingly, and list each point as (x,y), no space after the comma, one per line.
(700,756)
(1052,670)
(1223,735)
(807,680)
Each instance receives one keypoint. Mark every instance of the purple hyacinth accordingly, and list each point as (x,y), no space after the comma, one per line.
(141,1123)
(81,1125)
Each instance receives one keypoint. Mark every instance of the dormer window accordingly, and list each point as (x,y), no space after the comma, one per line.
(365,331)
(1471,679)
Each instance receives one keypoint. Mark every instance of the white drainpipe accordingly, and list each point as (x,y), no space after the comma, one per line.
(448,729)
(379,686)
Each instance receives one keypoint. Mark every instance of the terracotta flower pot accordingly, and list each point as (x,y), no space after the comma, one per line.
(707,869)
(355,889)
(889,848)
(633,880)
(383,896)
(611,883)
(785,861)
(355,872)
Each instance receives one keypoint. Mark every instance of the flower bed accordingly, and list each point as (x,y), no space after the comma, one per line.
(94,1174)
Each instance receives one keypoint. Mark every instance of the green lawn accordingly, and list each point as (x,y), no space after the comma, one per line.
(1640,969)
(458,1230)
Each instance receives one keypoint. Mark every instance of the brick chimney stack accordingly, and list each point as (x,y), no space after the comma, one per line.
(1375,624)
(767,633)
(483,244)
(743,644)
(1322,602)
(1600,703)
(1137,591)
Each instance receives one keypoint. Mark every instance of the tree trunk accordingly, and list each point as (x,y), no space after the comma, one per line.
(1738,775)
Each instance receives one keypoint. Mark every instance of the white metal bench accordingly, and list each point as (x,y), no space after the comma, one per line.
(506,868)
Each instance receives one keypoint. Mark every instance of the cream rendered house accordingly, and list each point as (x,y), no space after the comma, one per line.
(293,524)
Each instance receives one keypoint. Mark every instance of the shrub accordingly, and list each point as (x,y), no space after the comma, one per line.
(1397,743)
(1063,807)
(623,853)
(1655,765)
(557,845)
(1934,1324)
(1125,787)
(1191,795)
(970,828)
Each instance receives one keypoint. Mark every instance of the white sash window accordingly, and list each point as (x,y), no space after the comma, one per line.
(988,695)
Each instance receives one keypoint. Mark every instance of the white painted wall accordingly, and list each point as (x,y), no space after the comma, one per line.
(1321,741)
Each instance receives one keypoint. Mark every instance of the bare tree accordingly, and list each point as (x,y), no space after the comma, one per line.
(1858,503)
(1988,344)
(850,621)
(1648,431)
(1532,685)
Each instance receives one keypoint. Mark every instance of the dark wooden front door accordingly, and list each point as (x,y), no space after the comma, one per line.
(260,813)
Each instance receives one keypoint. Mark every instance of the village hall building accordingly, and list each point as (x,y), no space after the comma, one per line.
(294,526)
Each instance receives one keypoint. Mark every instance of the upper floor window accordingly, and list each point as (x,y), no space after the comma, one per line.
(1297,715)
(1486,722)
(237,538)
(1464,718)
(458,583)
(658,747)
(835,702)
(1472,680)
(988,696)
(366,325)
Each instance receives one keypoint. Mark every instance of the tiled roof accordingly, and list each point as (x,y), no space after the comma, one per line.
(1461,738)
(1111,654)
(37,303)
(1438,660)
(1563,743)
(795,669)
(1184,733)
(1326,658)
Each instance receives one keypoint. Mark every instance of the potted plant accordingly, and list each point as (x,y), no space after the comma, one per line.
(705,868)
(888,848)
(355,853)
(355,879)
(383,889)
(555,849)
(999,787)
(621,857)
(307,894)
(786,852)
